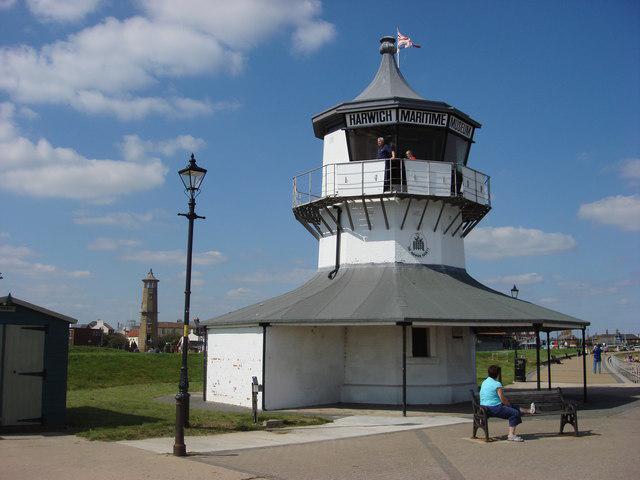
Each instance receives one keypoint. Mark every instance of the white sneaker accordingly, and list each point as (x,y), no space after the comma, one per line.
(532,408)
(514,438)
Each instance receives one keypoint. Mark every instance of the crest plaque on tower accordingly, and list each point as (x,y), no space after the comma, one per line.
(418,246)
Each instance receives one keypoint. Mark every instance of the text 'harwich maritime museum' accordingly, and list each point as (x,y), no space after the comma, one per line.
(391,315)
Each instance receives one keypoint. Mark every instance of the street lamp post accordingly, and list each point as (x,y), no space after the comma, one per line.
(192,177)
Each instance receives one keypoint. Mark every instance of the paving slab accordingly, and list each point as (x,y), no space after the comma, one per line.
(67,457)
(346,427)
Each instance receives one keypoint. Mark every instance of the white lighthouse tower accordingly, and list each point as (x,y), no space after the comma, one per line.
(392,314)
(400,210)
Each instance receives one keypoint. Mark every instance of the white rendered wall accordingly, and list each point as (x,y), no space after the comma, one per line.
(234,355)
(380,245)
(335,148)
(304,366)
(373,367)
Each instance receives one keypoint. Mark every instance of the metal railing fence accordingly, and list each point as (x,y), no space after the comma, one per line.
(377,177)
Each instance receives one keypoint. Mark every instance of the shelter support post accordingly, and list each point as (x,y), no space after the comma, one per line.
(548,362)
(404,366)
(537,357)
(584,367)
(264,361)
(515,354)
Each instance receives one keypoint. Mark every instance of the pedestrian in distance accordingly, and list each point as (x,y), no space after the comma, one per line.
(498,405)
(597,359)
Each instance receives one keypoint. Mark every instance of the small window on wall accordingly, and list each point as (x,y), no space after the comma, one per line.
(420,342)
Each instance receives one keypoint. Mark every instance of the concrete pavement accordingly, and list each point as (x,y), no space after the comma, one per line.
(607,447)
(570,372)
(346,427)
(67,457)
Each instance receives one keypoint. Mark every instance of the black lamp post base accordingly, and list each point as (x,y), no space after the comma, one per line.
(179,451)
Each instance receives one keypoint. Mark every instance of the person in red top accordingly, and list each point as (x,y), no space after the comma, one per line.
(409,154)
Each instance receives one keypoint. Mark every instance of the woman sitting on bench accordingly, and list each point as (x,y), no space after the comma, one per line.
(492,397)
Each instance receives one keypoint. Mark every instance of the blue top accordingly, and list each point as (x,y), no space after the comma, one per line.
(489,393)
(385,151)
(597,354)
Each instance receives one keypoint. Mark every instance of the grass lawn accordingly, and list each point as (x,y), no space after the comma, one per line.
(505,359)
(111,396)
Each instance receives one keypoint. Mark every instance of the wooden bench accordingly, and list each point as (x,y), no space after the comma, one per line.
(548,402)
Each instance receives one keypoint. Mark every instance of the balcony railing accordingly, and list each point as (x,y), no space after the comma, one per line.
(380,177)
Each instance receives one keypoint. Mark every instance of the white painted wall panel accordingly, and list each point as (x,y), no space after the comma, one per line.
(379,245)
(234,356)
(373,367)
(334,148)
(304,366)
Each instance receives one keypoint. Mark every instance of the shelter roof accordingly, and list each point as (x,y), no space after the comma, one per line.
(16,301)
(396,292)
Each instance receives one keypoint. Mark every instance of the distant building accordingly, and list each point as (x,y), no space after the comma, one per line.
(148,312)
(84,335)
(101,325)
(616,339)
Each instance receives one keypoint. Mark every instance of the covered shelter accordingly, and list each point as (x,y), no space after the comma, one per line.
(34,350)
(352,337)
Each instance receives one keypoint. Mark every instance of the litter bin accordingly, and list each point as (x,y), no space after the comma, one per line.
(520,373)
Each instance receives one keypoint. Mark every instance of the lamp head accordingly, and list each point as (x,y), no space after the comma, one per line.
(192,176)
(514,292)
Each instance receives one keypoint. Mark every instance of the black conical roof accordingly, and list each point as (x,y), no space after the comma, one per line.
(388,89)
(388,82)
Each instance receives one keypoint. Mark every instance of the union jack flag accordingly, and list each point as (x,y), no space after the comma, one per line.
(405,42)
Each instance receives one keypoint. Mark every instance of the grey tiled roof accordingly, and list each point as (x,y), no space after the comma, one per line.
(390,293)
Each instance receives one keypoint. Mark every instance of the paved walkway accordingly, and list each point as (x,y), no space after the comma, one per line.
(346,427)
(570,372)
(67,457)
(607,447)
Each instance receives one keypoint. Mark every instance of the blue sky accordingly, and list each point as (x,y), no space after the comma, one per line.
(101,102)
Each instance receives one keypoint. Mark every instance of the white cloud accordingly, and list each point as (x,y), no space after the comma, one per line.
(105,68)
(62,10)
(630,170)
(17,260)
(309,37)
(115,219)
(587,288)
(110,244)
(295,275)
(174,257)
(40,169)
(240,292)
(134,148)
(620,211)
(6,4)
(520,279)
(245,23)
(491,243)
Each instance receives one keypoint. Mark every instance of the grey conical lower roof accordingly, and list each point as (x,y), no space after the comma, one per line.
(388,82)
(391,293)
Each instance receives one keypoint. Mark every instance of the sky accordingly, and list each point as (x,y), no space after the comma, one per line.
(103,101)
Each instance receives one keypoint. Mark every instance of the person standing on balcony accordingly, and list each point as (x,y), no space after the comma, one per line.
(391,170)
(410,156)
(384,150)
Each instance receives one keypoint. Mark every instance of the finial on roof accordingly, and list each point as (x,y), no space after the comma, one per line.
(388,45)
(388,82)
(150,275)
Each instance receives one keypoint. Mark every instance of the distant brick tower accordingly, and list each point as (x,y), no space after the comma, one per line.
(148,312)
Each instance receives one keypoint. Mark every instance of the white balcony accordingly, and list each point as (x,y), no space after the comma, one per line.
(375,178)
